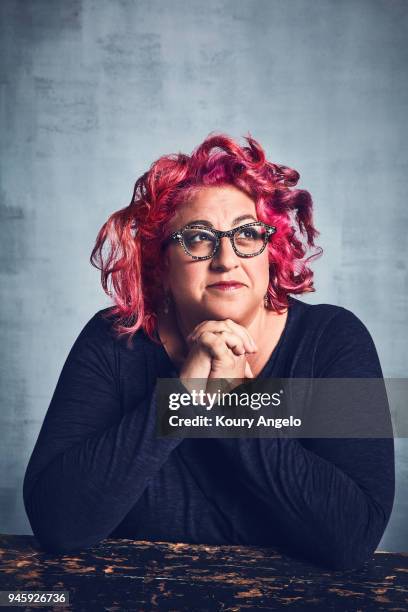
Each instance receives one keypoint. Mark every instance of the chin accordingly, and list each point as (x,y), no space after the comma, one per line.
(231,310)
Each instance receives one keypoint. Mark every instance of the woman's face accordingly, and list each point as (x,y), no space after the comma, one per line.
(190,281)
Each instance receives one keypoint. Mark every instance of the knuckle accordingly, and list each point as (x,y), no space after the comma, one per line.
(205,339)
(220,344)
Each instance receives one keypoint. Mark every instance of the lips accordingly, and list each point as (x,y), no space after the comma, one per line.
(227,285)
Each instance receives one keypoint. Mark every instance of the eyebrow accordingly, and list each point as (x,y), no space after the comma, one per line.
(209,224)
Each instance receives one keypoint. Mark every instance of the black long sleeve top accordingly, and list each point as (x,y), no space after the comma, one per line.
(98,470)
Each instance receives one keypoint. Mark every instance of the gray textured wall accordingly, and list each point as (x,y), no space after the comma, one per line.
(92,91)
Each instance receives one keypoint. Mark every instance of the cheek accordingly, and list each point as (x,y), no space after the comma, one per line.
(186,278)
(261,264)
(260,270)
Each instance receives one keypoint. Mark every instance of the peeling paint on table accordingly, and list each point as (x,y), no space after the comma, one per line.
(138,575)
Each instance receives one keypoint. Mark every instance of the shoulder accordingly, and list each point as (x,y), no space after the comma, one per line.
(342,342)
(99,332)
(328,316)
(99,353)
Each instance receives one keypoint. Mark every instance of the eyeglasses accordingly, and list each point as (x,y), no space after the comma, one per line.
(201,242)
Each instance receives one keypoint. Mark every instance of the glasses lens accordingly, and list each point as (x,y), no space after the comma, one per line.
(250,240)
(199,242)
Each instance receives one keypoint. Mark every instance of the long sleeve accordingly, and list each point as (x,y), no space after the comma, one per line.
(92,461)
(327,500)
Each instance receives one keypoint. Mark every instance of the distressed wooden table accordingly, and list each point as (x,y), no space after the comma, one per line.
(121,575)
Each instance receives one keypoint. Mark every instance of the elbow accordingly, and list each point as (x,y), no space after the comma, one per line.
(337,557)
(59,544)
(55,543)
(359,545)
(343,560)
(354,553)
(54,533)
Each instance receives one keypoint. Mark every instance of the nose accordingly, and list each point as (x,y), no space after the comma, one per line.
(225,257)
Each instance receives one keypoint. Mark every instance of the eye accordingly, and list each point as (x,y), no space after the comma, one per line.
(193,237)
(249,233)
(199,236)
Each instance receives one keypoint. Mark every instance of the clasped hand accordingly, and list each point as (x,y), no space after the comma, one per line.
(218,350)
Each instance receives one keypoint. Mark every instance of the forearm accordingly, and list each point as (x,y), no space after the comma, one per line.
(85,491)
(315,507)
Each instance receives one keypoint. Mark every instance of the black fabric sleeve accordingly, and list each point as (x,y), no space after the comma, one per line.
(91,462)
(329,500)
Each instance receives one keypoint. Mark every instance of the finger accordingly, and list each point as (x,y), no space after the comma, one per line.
(220,326)
(212,326)
(233,341)
(241,330)
(198,328)
(216,347)
(227,325)
(227,368)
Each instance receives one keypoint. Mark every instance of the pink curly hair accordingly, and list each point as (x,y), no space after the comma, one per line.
(135,233)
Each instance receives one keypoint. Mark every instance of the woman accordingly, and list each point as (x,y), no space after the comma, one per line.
(202,263)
